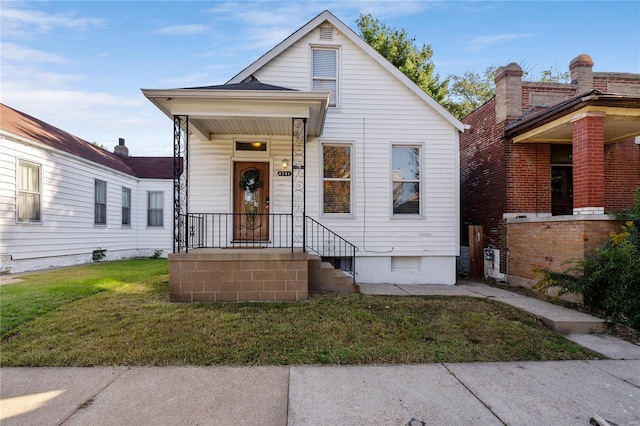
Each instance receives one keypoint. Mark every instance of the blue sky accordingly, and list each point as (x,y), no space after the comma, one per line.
(80,65)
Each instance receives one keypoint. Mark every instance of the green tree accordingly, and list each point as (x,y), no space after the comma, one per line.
(401,50)
(471,90)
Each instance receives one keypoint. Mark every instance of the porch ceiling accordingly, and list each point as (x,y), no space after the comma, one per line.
(247,112)
(622,120)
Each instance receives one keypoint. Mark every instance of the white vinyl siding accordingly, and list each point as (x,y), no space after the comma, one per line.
(29,196)
(155,210)
(126,206)
(100,203)
(324,72)
(405,179)
(66,234)
(376,111)
(336,179)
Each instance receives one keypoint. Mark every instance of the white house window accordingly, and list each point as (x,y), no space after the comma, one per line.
(126,206)
(100,203)
(406,179)
(324,72)
(29,194)
(155,210)
(336,178)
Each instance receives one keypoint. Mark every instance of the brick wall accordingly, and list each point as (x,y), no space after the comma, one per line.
(536,93)
(483,175)
(232,276)
(528,178)
(621,174)
(548,243)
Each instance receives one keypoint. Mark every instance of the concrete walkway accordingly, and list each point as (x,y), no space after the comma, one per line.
(520,393)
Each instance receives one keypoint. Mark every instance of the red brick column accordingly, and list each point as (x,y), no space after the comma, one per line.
(588,163)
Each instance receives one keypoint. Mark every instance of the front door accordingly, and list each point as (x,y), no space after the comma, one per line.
(561,180)
(251,201)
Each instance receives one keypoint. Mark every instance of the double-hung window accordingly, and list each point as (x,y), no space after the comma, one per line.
(29,194)
(100,203)
(126,206)
(405,178)
(324,72)
(336,178)
(155,208)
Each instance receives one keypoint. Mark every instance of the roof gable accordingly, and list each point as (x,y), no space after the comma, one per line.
(327,16)
(26,126)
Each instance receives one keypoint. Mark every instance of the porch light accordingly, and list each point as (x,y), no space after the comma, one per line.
(285,164)
(256,144)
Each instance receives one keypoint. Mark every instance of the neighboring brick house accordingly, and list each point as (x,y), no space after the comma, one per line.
(543,162)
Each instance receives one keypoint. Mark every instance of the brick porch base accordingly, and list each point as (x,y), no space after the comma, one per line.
(234,275)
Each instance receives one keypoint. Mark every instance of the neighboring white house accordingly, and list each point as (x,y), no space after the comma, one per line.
(379,157)
(63,198)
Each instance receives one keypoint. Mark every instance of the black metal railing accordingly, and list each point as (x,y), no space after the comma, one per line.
(330,246)
(272,230)
(240,230)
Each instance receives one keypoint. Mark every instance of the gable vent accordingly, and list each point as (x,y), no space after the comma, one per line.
(326,33)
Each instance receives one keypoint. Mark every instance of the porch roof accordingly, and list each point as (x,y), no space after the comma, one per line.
(249,108)
(554,124)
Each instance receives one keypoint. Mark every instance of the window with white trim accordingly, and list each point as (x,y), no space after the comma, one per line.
(29,194)
(126,206)
(324,72)
(100,203)
(405,177)
(336,178)
(155,208)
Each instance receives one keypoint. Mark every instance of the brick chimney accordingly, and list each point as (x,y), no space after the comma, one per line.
(121,149)
(581,68)
(508,92)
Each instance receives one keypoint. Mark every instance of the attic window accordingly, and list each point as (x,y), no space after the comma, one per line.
(326,33)
(324,72)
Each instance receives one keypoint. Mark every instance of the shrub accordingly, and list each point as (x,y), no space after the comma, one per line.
(609,279)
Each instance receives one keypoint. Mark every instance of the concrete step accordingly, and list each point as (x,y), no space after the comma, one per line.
(324,277)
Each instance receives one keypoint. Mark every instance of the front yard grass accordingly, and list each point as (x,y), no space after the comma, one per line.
(118,313)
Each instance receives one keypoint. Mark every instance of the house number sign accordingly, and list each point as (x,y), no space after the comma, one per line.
(284,172)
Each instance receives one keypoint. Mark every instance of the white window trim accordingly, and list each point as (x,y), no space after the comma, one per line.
(149,209)
(421,181)
(335,48)
(130,208)
(106,199)
(351,187)
(18,191)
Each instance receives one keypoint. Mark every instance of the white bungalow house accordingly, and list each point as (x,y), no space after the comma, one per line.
(323,148)
(65,201)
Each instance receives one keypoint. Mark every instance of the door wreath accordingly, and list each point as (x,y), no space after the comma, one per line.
(250,182)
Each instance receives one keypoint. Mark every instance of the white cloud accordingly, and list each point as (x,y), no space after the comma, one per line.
(481,42)
(14,53)
(183,29)
(23,22)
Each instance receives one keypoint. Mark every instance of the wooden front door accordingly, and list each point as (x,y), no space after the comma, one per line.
(251,201)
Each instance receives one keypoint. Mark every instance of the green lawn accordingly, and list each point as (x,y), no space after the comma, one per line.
(117,313)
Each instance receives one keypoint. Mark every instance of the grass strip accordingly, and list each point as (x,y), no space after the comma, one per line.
(132,323)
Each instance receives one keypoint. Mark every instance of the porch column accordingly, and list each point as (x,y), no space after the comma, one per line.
(298,181)
(180,183)
(588,163)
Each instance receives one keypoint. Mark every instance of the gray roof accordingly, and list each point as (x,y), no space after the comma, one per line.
(252,84)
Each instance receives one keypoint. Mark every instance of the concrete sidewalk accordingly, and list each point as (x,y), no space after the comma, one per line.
(522,393)
(543,393)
